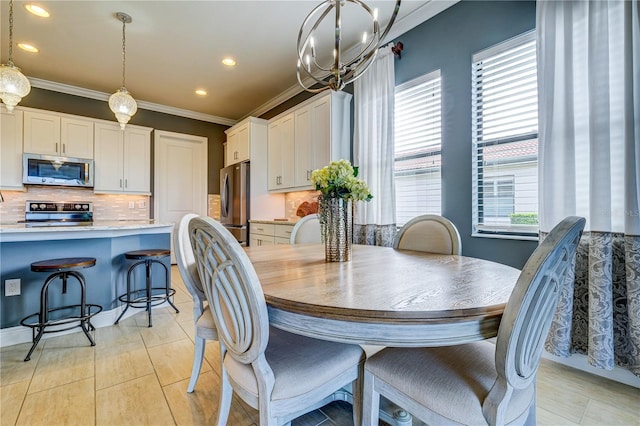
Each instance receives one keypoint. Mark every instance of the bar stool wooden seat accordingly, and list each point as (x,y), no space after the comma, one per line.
(80,313)
(145,297)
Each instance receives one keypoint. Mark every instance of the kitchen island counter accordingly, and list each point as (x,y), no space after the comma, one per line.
(107,241)
(15,232)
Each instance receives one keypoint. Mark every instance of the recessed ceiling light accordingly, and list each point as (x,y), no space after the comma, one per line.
(201,92)
(37,10)
(229,62)
(28,47)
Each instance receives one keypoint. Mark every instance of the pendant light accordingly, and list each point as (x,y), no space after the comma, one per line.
(122,103)
(13,84)
(340,71)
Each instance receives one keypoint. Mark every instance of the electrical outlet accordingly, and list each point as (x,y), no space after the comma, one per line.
(132,205)
(12,287)
(142,204)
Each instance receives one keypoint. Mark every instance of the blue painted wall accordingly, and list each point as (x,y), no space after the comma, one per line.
(447,42)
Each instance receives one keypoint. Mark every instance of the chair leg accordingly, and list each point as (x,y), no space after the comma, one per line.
(370,401)
(198,356)
(226,392)
(356,389)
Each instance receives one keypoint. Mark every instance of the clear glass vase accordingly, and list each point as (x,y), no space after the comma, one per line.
(336,218)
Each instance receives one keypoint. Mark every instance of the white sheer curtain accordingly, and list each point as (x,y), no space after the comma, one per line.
(589,159)
(375,221)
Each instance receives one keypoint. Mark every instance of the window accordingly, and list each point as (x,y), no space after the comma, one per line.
(505,138)
(417,147)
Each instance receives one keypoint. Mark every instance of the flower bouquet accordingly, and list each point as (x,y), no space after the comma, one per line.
(339,187)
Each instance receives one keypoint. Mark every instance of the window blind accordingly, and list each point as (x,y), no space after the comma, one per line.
(417,144)
(505,138)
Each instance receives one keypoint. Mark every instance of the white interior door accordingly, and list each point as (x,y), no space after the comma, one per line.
(180,176)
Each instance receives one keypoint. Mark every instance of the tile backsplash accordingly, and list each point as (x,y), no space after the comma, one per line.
(294,199)
(105,206)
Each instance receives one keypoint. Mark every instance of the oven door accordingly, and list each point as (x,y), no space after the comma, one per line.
(63,171)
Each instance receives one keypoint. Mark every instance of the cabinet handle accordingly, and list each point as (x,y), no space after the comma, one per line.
(120,183)
(126,184)
(56,146)
(64,148)
(308,174)
(260,229)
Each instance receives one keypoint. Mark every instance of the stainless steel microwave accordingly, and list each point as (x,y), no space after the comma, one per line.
(40,169)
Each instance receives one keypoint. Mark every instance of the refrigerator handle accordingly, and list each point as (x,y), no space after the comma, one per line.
(224,197)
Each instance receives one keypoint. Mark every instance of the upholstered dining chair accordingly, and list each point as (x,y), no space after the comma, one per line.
(429,233)
(307,230)
(482,382)
(281,374)
(205,328)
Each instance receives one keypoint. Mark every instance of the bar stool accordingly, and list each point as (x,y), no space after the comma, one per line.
(148,299)
(63,269)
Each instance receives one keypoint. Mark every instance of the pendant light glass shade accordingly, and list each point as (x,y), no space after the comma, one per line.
(13,84)
(122,103)
(123,106)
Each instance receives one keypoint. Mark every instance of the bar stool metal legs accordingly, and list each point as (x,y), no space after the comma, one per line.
(64,268)
(148,299)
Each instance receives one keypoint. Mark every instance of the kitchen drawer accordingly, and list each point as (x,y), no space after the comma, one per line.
(261,240)
(282,240)
(262,228)
(283,231)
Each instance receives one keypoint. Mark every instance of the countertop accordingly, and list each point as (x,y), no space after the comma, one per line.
(12,232)
(274,222)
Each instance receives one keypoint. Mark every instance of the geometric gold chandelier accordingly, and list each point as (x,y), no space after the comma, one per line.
(121,102)
(335,73)
(13,84)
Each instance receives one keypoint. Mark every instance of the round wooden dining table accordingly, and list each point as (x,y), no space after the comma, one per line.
(383,296)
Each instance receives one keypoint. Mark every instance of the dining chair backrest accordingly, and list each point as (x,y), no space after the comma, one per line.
(232,288)
(186,262)
(429,233)
(307,230)
(527,317)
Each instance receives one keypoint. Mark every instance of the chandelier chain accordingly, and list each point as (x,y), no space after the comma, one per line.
(10,32)
(124,52)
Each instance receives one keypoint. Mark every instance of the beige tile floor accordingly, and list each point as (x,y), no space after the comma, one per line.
(138,376)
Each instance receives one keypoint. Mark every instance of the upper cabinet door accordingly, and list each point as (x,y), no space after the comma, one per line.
(281,153)
(137,160)
(76,136)
(42,133)
(109,157)
(303,149)
(11,150)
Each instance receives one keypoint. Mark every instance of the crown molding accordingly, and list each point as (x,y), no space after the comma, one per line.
(150,106)
(427,11)
(401,26)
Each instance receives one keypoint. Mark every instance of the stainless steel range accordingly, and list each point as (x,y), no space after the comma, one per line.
(58,213)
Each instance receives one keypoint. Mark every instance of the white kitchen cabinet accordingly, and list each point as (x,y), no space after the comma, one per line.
(322,129)
(50,133)
(281,155)
(261,233)
(11,150)
(237,149)
(122,159)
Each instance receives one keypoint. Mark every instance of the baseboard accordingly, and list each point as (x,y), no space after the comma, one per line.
(580,362)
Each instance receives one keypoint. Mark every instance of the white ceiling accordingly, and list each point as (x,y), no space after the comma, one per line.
(175,47)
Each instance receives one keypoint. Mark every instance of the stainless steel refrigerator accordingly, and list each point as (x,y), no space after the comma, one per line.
(234,200)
